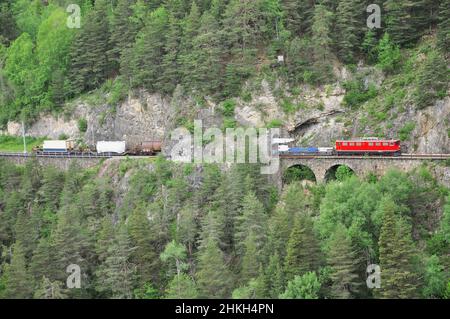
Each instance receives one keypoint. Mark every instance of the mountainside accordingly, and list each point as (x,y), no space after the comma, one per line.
(147,227)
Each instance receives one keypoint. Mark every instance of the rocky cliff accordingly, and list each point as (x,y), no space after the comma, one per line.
(319,117)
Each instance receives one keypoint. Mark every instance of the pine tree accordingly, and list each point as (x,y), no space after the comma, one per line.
(19,284)
(144,256)
(123,31)
(406,20)
(181,287)
(251,258)
(116,275)
(273,277)
(432,80)
(302,252)
(396,251)
(252,220)
(213,276)
(298,15)
(171,60)
(89,63)
(207,54)
(42,261)
(49,290)
(344,264)
(443,34)
(148,52)
(69,245)
(321,30)
(349,26)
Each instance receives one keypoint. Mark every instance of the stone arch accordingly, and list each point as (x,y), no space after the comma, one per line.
(330,173)
(298,172)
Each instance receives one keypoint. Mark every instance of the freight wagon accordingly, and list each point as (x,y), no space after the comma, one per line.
(110,147)
(57,146)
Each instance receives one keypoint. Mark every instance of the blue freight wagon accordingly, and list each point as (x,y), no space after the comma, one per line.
(303,150)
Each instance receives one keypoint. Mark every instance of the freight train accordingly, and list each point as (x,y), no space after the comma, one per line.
(69,147)
(365,146)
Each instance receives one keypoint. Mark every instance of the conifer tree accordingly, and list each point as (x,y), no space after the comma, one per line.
(302,252)
(344,264)
(89,63)
(443,34)
(148,51)
(396,251)
(349,26)
(144,255)
(251,259)
(49,290)
(321,30)
(181,287)
(19,284)
(432,80)
(116,275)
(298,15)
(213,277)
(252,220)
(122,32)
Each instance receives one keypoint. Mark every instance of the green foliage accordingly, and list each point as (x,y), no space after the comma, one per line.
(15,143)
(396,255)
(275,123)
(356,93)
(406,130)
(432,80)
(298,173)
(389,55)
(82,125)
(306,286)
(302,250)
(343,262)
(228,107)
(435,279)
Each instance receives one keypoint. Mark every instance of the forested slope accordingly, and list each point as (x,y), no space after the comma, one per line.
(209,48)
(143,229)
(161,230)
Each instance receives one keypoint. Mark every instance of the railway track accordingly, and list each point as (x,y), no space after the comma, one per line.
(401,157)
(282,156)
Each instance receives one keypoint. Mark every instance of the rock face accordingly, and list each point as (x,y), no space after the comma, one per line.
(319,121)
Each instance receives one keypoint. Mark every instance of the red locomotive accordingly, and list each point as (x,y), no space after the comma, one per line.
(368,147)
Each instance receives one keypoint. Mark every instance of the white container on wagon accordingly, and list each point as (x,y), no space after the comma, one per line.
(57,146)
(328,150)
(117,147)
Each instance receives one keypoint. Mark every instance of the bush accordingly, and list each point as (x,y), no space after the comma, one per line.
(82,125)
(229,123)
(406,130)
(388,55)
(275,123)
(118,92)
(356,93)
(228,107)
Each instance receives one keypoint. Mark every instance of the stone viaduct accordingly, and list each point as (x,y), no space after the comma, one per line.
(324,166)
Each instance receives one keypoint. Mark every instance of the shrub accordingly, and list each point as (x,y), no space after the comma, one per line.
(388,55)
(275,123)
(82,125)
(406,130)
(228,107)
(356,93)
